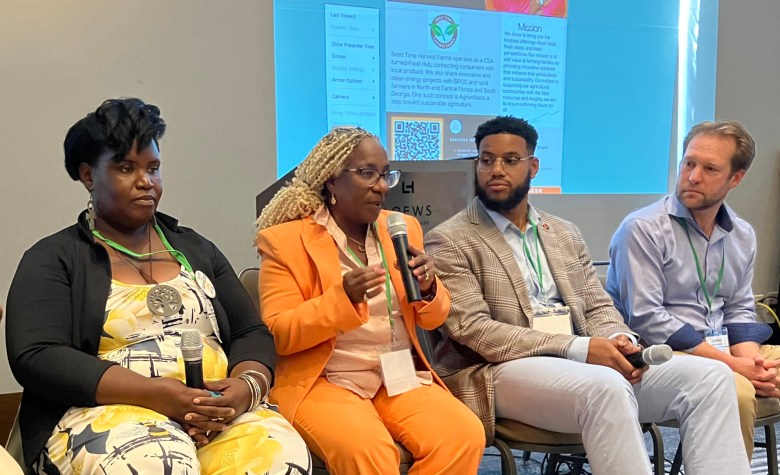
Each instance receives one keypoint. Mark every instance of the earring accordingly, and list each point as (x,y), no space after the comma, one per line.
(91,213)
(332,199)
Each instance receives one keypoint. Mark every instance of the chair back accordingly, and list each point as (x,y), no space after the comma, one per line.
(249,278)
(8,464)
(14,448)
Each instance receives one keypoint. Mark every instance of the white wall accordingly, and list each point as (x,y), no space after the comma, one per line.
(209,66)
(748,90)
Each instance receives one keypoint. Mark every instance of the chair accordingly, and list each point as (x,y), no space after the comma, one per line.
(13,447)
(250,278)
(511,434)
(8,460)
(8,464)
(767,415)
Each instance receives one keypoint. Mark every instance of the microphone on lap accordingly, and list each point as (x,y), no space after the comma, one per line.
(192,353)
(396,226)
(656,354)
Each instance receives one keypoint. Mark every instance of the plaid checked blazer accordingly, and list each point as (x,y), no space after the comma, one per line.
(489,320)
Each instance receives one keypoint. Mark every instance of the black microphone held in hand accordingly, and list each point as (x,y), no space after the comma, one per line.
(396,226)
(192,353)
(655,354)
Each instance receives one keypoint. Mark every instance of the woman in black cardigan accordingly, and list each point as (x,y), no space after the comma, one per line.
(96,315)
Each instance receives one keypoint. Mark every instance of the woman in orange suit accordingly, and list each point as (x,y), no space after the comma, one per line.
(351,376)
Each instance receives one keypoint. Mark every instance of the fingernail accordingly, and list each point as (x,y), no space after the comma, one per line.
(196,401)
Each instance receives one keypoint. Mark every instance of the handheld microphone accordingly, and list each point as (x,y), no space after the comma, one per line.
(192,353)
(655,354)
(396,226)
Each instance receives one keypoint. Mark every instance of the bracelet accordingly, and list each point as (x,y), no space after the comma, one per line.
(431,294)
(259,396)
(254,391)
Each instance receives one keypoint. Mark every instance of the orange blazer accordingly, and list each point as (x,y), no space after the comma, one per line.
(303,303)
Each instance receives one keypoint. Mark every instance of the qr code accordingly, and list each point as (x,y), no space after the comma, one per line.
(415,139)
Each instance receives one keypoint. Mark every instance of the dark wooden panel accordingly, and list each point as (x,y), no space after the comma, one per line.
(9,404)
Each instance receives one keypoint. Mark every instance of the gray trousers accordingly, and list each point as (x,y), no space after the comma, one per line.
(567,396)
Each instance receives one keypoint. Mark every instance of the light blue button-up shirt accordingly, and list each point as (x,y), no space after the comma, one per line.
(654,283)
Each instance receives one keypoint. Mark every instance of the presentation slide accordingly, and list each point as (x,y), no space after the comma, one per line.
(450,68)
(597,83)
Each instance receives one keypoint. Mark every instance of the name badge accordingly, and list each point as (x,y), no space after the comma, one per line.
(205,284)
(556,320)
(398,371)
(719,339)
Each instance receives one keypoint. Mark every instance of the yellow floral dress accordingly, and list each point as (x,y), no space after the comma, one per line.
(123,439)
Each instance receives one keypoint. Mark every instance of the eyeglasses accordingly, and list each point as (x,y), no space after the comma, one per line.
(372,175)
(345,128)
(485,163)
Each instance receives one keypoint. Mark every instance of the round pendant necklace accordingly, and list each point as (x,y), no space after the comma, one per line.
(361,246)
(162,300)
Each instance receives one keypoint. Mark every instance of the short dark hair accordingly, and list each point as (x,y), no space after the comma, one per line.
(115,126)
(508,125)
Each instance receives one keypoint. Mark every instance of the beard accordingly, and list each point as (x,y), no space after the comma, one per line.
(516,195)
(703,201)
(699,204)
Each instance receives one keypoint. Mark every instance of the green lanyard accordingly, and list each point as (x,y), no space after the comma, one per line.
(538,267)
(702,278)
(388,295)
(176,254)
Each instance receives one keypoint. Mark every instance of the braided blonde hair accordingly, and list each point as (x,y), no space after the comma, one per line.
(306,193)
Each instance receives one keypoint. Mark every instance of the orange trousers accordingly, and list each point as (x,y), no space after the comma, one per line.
(355,436)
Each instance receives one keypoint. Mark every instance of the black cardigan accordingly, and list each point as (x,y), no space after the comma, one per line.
(55,315)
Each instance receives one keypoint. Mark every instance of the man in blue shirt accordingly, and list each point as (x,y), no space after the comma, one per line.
(681,269)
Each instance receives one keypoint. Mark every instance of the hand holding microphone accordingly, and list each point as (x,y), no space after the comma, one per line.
(208,417)
(420,275)
(192,353)
(653,355)
(621,355)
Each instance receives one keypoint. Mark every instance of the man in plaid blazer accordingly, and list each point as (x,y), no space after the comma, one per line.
(510,267)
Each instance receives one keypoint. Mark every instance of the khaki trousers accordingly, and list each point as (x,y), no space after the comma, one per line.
(746,399)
